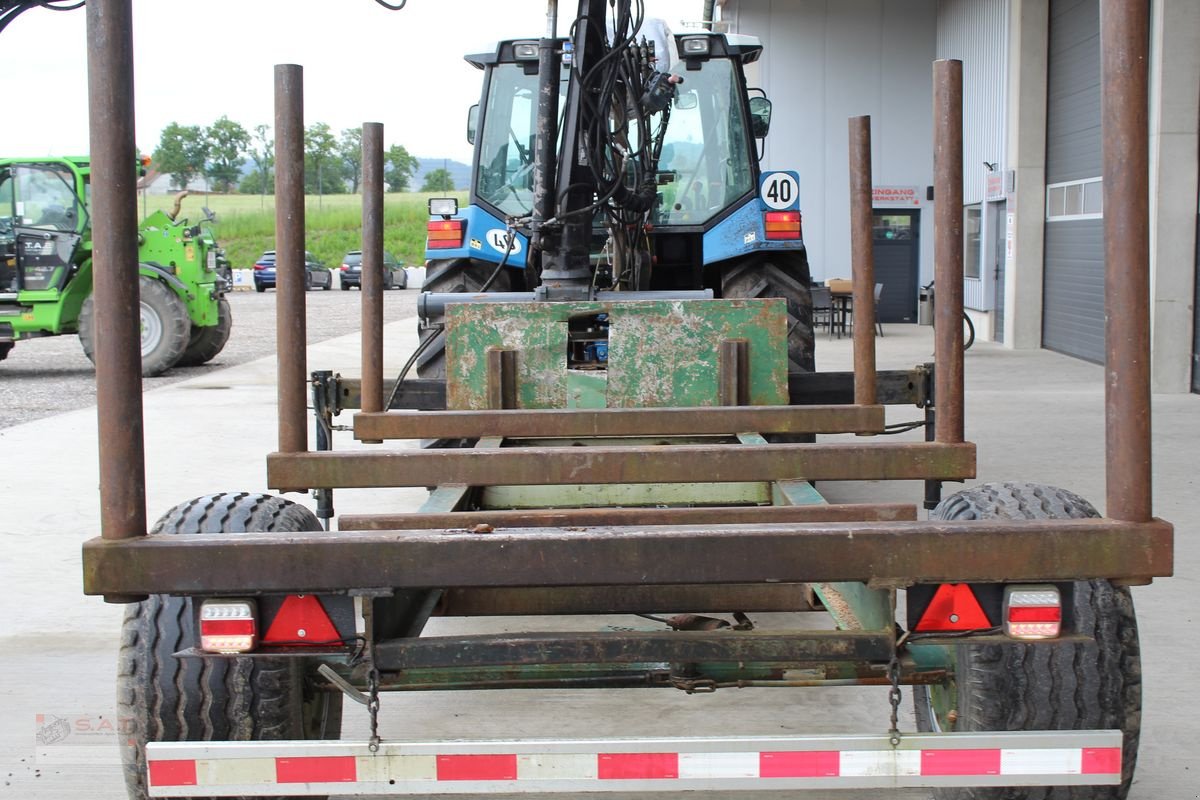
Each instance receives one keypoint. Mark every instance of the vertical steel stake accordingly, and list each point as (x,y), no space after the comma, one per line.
(1124,37)
(115,271)
(734,375)
(948,249)
(502,378)
(862,260)
(289,257)
(371,277)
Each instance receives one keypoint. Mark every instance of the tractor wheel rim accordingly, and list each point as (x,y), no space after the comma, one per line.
(152,330)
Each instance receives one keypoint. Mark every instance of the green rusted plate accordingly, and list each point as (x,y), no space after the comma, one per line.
(661,353)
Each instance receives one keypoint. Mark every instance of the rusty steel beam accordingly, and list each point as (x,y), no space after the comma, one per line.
(862,259)
(948,248)
(115,270)
(371,274)
(290,335)
(632,647)
(538,466)
(1124,42)
(887,553)
(574,517)
(747,597)
(555,423)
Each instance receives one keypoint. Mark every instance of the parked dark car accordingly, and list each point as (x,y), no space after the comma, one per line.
(394,276)
(316,274)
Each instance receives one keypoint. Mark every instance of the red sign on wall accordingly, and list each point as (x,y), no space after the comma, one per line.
(895,196)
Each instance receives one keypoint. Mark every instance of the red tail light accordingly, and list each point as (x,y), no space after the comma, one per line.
(228,626)
(953,608)
(1032,612)
(444,233)
(260,266)
(782,225)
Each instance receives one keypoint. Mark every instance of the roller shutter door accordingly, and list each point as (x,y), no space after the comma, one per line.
(1073,314)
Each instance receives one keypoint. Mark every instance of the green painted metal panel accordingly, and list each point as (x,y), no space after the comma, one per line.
(661,353)
(590,495)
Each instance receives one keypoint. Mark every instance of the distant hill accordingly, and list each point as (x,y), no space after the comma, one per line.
(459,171)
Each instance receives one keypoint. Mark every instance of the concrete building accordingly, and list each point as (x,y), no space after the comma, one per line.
(1033,211)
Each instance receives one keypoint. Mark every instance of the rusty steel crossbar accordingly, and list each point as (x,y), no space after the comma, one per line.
(632,647)
(553,423)
(527,601)
(539,466)
(578,517)
(895,553)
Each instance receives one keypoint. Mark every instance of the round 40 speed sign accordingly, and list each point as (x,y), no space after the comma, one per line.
(780,191)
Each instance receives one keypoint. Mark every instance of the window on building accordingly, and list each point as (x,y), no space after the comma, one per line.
(1075,200)
(972,241)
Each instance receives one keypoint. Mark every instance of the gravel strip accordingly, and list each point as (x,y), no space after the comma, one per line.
(42,377)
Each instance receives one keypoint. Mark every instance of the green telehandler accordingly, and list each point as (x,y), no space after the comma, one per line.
(46,269)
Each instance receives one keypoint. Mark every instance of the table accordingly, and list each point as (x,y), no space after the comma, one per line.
(841,310)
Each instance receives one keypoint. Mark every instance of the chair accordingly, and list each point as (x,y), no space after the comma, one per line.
(822,308)
(878,324)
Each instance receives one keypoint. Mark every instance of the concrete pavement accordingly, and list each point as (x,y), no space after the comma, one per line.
(1036,416)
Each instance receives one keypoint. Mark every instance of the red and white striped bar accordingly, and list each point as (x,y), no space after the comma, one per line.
(223,769)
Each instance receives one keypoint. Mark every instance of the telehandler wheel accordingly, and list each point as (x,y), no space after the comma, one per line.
(165,327)
(1069,685)
(206,343)
(778,274)
(464,275)
(161,698)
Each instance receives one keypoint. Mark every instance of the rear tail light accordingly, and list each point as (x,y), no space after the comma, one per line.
(782,224)
(954,607)
(1032,612)
(444,233)
(345,267)
(260,266)
(228,626)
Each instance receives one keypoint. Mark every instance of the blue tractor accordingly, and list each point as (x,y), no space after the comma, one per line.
(662,192)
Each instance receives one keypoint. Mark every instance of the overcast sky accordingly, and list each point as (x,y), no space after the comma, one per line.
(197,61)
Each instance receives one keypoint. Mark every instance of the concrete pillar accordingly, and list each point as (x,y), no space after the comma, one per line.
(1028,43)
(1174,116)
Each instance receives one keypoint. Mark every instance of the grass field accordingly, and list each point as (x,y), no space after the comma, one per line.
(246,224)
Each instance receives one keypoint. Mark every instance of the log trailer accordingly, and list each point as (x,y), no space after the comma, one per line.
(673,480)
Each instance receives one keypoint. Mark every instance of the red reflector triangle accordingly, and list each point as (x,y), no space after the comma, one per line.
(953,608)
(301,620)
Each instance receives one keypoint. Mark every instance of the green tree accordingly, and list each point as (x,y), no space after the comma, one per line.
(262,153)
(181,153)
(227,141)
(253,184)
(399,168)
(350,149)
(322,168)
(438,180)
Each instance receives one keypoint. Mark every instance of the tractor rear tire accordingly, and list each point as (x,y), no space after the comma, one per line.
(1095,684)
(165,326)
(451,275)
(161,698)
(206,343)
(779,274)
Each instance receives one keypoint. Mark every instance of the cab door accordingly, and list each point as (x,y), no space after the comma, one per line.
(48,221)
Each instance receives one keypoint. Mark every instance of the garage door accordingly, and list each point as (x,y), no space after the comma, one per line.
(1073,315)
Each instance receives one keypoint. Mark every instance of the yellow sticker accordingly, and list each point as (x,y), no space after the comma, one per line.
(189,252)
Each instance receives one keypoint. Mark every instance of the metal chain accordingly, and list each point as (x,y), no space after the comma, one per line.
(893,669)
(373,706)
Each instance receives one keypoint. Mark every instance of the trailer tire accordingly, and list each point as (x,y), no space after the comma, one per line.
(464,275)
(1064,686)
(778,274)
(206,343)
(163,698)
(165,327)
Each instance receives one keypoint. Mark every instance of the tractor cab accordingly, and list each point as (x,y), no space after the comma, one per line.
(703,133)
(43,216)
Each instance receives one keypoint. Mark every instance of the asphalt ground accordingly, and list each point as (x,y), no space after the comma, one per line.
(47,376)
(1035,415)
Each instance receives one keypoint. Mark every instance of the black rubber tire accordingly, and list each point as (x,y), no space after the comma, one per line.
(5,349)
(1064,686)
(168,699)
(779,274)
(968,333)
(345,287)
(160,300)
(452,275)
(308,282)
(206,343)
(258,287)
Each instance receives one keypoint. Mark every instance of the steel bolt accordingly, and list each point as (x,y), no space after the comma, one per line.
(301,633)
(954,617)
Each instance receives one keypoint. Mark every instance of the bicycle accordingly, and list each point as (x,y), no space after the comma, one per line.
(968,326)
